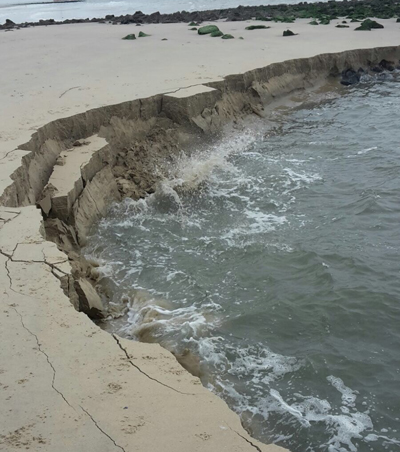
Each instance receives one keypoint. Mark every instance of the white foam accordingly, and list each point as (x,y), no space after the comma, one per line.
(348,396)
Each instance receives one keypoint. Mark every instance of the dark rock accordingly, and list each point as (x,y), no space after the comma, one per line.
(369,24)
(216,34)
(377,69)
(289,33)
(350,77)
(143,35)
(257,27)
(130,37)
(227,36)
(387,65)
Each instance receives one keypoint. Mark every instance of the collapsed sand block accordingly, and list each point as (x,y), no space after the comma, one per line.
(80,165)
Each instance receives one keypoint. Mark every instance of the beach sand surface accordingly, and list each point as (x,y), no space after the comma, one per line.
(65,384)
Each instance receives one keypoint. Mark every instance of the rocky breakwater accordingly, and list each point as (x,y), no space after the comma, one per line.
(68,374)
(355,10)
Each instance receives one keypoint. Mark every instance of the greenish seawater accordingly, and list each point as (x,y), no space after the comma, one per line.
(274,257)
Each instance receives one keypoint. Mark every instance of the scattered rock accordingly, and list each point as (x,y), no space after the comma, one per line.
(207,29)
(342,26)
(398,20)
(142,35)
(164,39)
(216,34)
(313,22)
(192,29)
(228,36)
(289,33)
(130,37)
(257,27)
(193,24)
(324,21)
(377,69)
(369,25)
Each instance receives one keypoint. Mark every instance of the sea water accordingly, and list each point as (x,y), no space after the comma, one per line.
(273,257)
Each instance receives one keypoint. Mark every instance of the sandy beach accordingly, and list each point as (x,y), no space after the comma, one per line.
(64,383)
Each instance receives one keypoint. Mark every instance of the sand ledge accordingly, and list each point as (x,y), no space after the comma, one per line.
(69,374)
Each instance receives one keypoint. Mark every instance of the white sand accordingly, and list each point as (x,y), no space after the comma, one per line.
(57,71)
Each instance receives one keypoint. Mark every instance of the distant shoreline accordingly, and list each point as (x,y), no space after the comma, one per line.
(355,10)
(11,5)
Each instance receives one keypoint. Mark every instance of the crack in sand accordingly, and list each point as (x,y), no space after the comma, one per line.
(144,373)
(9,258)
(184,87)
(101,430)
(52,266)
(46,355)
(9,211)
(247,440)
(69,89)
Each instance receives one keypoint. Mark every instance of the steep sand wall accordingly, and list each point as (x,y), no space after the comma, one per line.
(93,375)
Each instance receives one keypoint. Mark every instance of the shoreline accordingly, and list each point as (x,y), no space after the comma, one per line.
(66,370)
(356,10)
